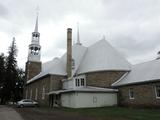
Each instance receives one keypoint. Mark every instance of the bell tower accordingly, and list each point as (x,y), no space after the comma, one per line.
(34,47)
(33,64)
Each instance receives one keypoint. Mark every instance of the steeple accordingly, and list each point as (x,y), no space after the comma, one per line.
(36,26)
(34,64)
(34,47)
(78,39)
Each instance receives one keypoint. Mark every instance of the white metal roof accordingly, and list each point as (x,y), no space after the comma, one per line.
(57,66)
(143,72)
(100,56)
(52,67)
(84,89)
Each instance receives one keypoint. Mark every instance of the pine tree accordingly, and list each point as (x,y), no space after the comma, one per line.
(11,72)
(19,84)
(2,68)
(2,77)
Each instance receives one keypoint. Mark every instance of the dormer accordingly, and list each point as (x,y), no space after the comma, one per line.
(75,82)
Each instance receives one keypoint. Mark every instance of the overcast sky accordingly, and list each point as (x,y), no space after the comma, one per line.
(131,26)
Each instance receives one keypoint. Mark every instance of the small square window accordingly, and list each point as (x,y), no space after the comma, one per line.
(157,91)
(131,93)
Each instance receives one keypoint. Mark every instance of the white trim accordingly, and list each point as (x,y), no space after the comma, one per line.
(121,78)
(155,89)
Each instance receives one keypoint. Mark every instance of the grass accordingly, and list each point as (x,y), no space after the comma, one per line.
(120,113)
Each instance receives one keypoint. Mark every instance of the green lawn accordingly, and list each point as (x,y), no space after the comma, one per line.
(117,113)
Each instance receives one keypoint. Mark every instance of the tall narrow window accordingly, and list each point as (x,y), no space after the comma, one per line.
(43,93)
(77,82)
(157,91)
(31,94)
(131,93)
(82,81)
(36,94)
(26,94)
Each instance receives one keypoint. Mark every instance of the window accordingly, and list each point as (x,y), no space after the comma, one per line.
(76,81)
(82,81)
(36,94)
(26,93)
(31,94)
(157,91)
(131,93)
(43,93)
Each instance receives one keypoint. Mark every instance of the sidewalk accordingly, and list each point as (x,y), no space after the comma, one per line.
(8,113)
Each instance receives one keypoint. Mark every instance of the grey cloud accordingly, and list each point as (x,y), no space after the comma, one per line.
(3,11)
(132,27)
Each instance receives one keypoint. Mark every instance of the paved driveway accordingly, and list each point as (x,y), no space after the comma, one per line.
(7,113)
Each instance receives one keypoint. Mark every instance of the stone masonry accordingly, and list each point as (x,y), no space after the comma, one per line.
(49,82)
(103,78)
(144,95)
(32,69)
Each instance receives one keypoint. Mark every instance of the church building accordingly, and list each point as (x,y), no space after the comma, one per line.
(94,76)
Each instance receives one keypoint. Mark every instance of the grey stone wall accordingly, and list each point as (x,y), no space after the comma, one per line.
(50,83)
(144,95)
(32,69)
(103,78)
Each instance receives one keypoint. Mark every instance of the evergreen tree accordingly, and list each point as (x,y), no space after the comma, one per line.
(11,77)
(2,68)
(11,72)
(19,84)
(2,77)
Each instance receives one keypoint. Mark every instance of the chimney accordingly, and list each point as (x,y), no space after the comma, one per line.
(69,52)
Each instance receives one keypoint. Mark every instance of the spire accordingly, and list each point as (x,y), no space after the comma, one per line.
(34,47)
(36,26)
(78,39)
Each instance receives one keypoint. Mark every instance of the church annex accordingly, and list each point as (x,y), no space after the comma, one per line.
(93,76)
